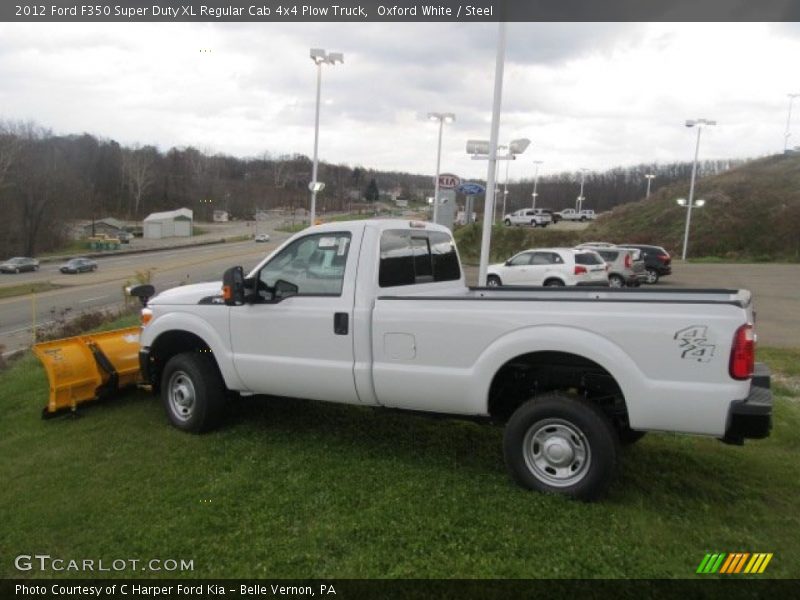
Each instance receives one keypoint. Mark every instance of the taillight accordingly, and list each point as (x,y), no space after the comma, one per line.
(579,270)
(628,261)
(743,353)
(663,257)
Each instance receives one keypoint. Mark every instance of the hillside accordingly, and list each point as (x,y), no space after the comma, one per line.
(751,212)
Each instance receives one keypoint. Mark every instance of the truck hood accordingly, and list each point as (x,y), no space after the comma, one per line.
(188,294)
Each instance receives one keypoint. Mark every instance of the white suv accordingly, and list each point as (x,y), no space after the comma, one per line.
(528,216)
(550,267)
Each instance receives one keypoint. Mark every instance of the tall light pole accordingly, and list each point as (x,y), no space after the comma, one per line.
(442,118)
(649,178)
(497,184)
(505,188)
(535,182)
(699,123)
(320,57)
(788,133)
(579,203)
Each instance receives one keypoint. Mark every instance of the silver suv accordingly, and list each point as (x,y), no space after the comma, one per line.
(625,265)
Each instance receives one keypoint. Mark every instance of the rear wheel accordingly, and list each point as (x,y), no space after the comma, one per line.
(652,276)
(616,281)
(193,392)
(560,444)
(533,223)
(493,281)
(553,283)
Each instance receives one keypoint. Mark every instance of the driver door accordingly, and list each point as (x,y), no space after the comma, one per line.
(302,345)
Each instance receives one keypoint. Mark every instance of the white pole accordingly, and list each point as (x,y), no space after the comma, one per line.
(788,133)
(505,188)
(691,194)
(316,146)
(488,208)
(496,179)
(438,164)
(649,179)
(535,182)
(579,203)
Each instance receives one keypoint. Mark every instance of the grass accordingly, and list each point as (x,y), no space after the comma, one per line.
(27,288)
(294,489)
(507,241)
(292,228)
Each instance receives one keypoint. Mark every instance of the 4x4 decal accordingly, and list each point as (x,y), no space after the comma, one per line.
(693,343)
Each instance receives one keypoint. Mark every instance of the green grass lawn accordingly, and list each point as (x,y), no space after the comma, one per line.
(21,289)
(295,489)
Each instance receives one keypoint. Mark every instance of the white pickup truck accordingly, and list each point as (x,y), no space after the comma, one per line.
(377,313)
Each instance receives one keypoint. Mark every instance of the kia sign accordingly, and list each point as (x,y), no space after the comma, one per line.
(448,181)
(471,189)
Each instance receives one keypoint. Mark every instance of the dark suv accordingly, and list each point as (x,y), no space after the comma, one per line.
(657,261)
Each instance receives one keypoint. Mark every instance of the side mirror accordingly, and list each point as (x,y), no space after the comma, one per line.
(233,286)
(143,292)
(284,289)
(508,262)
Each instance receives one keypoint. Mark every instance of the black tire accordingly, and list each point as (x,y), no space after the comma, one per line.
(652,276)
(583,219)
(553,283)
(507,222)
(628,436)
(193,392)
(616,281)
(16,270)
(493,281)
(581,438)
(533,223)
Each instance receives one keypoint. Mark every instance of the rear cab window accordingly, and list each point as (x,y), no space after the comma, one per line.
(409,257)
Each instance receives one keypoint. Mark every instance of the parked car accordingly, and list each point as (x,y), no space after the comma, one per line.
(570,214)
(595,245)
(625,266)
(124,237)
(528,216)
(18,264)
(657,261)
(550,267)
(78,265)
(262,237)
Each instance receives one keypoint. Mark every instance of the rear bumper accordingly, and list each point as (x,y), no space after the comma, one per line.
(751,418)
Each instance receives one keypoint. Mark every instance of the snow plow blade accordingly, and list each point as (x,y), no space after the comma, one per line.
(88,367)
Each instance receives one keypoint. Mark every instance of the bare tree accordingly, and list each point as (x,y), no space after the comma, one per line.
(138,171)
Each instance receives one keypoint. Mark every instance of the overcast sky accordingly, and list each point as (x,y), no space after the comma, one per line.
(594,95)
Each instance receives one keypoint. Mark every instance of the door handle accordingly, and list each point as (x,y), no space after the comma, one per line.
(341,323)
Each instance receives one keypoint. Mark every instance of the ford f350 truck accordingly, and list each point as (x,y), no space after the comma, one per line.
(377,313)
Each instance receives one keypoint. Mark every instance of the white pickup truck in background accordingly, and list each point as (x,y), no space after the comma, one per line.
(528,216)
(376,313)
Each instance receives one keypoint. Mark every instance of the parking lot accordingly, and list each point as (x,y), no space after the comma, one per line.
(775,287)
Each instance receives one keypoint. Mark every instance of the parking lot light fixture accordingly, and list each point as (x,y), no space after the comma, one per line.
(699,124)
(649,178)
(581,198)
(320,57)
(442,118)
(535,182)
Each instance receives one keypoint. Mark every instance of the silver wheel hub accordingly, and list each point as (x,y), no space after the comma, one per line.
(181,395)
(556,452)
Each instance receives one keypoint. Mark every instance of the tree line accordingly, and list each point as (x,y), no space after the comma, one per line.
(47,180)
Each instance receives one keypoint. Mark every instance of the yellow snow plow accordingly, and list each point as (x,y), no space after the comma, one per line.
(88,367)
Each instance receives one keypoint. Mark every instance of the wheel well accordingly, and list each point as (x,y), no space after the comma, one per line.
(167,345)
(529,375)
(549,279)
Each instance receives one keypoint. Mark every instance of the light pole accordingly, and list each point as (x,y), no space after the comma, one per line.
(505,188)
(699,123)
(788,133)
(579,202)
(497,182)
(535,182)
(649,178)
(442,118)
(320,57)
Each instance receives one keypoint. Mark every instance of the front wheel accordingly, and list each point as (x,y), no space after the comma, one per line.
(193,392)
(652,276)
(493,281)
(533,224)
(507,222)
(560,444)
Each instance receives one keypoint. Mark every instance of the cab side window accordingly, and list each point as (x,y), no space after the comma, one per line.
(315,264)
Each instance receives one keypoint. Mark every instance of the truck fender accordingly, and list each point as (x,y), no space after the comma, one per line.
(571,340)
